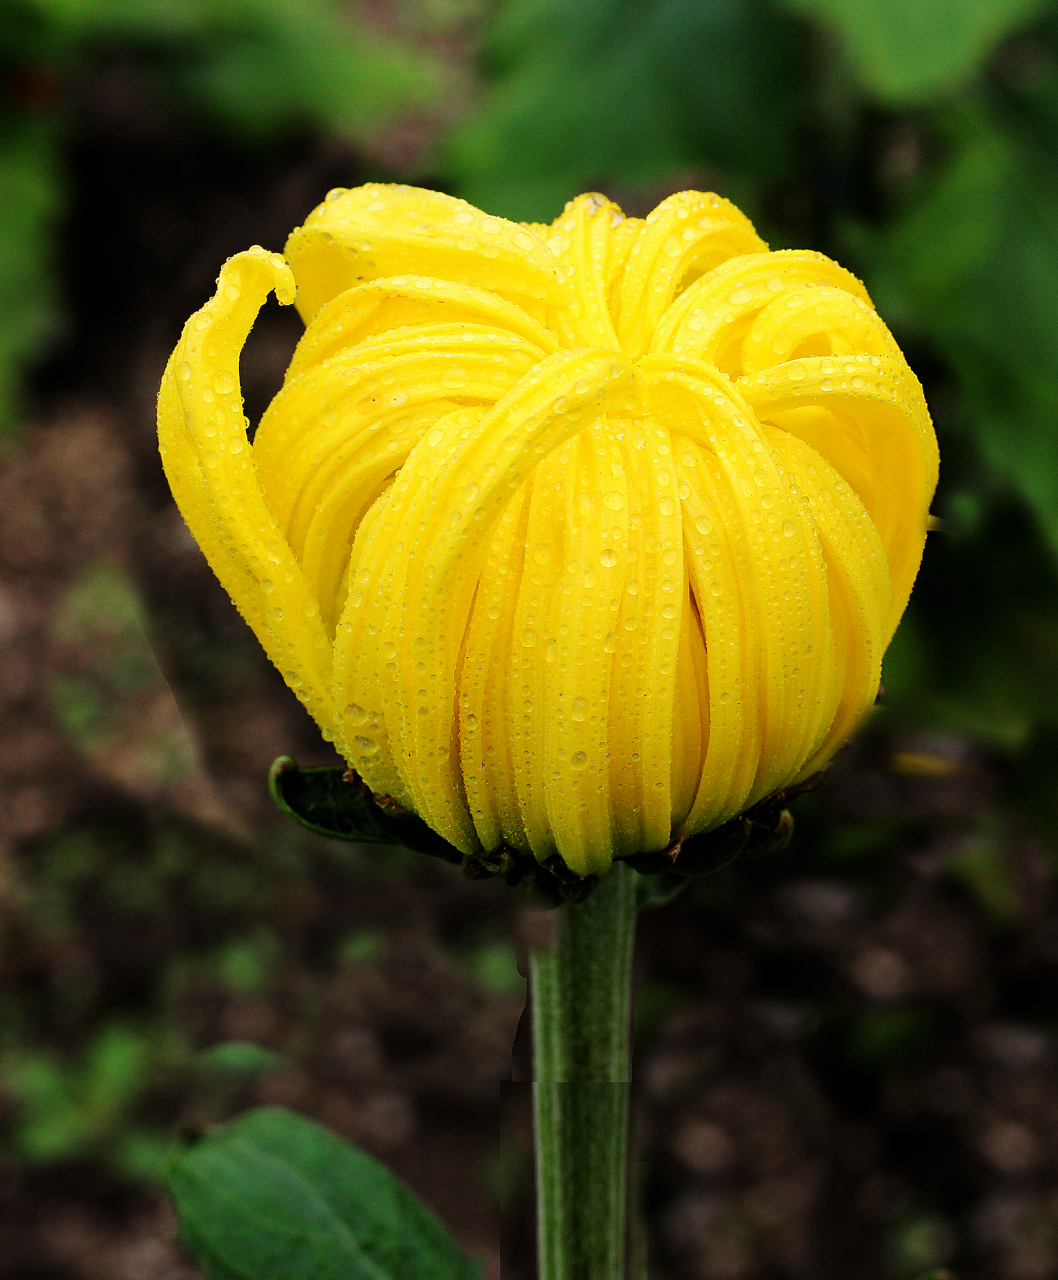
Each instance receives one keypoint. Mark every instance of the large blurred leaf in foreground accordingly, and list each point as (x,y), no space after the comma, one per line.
(908,50)
(608,91)
(275,1195)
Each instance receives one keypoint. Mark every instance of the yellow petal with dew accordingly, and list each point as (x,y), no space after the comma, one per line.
(869,420)
(710,319)
(857,582)
(486,684)
(784,579)
(378,308)
(417,573)
(686,235)
(813,321)
(379,230)
(580,240)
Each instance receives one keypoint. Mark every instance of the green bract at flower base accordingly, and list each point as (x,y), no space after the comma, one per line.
(336,803)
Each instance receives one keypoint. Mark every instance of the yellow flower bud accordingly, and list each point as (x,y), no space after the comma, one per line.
(578,537)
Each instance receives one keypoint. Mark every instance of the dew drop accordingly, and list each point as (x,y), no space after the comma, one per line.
(608,558)
(368,746)
(580,706)
(578,760)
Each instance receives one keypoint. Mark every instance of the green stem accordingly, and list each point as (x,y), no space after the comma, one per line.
(581,993)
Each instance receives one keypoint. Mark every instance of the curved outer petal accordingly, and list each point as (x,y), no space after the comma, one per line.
(207,460)
(687,235)
(783,686)
(710,319)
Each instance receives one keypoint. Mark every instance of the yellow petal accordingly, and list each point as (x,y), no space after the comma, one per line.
(812,321)
(709,321)
(580,240)
(869,420)
(379,230)
(857,588)
(782,577)
(370,310)
(647,636)
(486,687)
(687,235)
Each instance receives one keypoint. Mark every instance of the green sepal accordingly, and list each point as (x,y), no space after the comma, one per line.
(275,1195)
(336,803)
(326,801)
(656,890)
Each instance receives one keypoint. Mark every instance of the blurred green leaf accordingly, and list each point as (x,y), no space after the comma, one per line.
(908,50)
(238,1058)
(69,1107)
(611,91)
(273,1194)
(493,964)
(31,197)
(983,867)
(978,257)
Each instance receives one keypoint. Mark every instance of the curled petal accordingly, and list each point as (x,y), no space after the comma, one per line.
(207,459)
(710,320)
(687,235)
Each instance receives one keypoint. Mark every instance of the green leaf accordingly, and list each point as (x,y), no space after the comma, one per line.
(275,1195)
(613,91)
(909,50)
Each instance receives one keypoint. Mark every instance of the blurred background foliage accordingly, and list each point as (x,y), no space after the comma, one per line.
(169,952)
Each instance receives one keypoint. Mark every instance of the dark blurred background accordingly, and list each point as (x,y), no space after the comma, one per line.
(848,1053)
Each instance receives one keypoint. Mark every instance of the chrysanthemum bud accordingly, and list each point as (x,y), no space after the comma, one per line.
(578,538)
